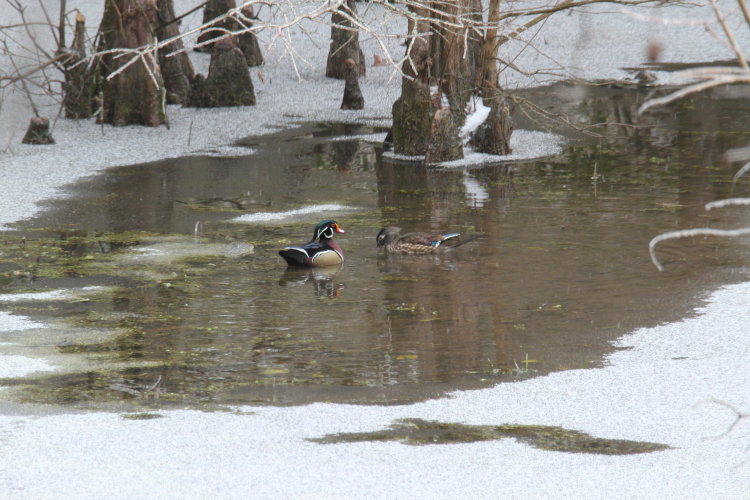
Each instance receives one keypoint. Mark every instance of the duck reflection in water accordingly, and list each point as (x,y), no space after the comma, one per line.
(323,279)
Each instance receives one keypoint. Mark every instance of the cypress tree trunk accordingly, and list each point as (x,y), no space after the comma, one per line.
(493,136)
(412,113)
(134,96)
(456,52)
(344,43)
(422,124)
(212,10)
(461,64)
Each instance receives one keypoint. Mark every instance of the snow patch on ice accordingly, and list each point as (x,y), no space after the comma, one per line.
(276,216)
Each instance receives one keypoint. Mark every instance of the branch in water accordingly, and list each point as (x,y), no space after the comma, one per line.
(689,233)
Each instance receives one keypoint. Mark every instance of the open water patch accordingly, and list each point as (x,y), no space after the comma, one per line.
(198,310)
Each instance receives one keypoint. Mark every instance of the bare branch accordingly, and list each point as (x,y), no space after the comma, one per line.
(740,173)
(718,80)
(730,37)
(745,12)
(727,202)
(61,26)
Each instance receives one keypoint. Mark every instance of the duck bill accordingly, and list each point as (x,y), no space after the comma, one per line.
(338,229)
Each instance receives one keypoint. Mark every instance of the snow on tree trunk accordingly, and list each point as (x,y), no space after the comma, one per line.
(135,95)
(177,69)
(493,136)
(344,43)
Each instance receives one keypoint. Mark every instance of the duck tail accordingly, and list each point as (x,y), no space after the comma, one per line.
(444,239)
(452,241)
(295,256)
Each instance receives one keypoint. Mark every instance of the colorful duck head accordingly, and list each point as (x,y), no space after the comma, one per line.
(325,230)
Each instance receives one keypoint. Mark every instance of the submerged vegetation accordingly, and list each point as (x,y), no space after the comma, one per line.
(414,431)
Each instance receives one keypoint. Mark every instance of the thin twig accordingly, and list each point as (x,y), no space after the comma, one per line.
(739,415)
(692,89)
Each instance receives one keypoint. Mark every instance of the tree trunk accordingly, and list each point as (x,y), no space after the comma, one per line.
(344,43)
(135,95)
(412,111)
(422,124)
(228,82)
(493,136)
(456,52)
(177,70)
(77,87)
(445,144)
(212,10)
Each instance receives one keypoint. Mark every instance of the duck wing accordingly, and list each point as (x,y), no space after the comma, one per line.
(296,256)
(431,240)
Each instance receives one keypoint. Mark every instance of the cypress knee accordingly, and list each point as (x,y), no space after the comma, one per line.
(38,132)
(228,82)
(353,98)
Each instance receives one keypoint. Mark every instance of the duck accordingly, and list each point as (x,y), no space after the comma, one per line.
(392,241)
(321,251)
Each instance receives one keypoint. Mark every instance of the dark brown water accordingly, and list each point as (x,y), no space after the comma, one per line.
(556,268)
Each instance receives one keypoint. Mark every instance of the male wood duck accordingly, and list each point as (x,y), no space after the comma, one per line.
(391,240)
(321,251)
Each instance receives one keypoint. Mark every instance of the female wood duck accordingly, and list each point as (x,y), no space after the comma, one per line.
(390,240)
(320,251)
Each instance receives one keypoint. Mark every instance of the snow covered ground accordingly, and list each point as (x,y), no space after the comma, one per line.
(660,389)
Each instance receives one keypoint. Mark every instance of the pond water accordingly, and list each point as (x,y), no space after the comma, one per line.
(181,297)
